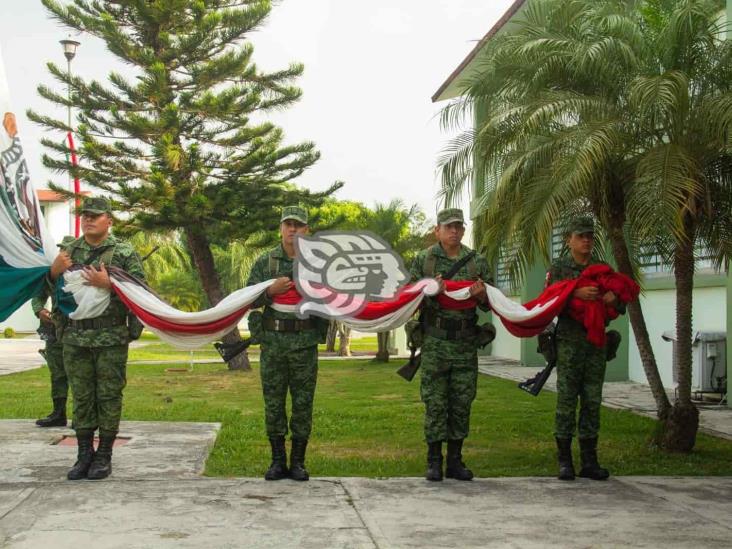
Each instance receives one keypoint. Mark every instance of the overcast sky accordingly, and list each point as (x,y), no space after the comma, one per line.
(370,70)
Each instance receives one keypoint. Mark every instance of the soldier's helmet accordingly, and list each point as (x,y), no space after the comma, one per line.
(582,224)
(95,205)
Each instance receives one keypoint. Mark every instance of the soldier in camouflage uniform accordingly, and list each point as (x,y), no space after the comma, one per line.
(95,350)
(289,353)
(54,351)
(449,351)
(580,364)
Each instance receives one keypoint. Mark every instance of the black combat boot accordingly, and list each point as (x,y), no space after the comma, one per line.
(278,468)
(84,457)
(588,455)
(564,456)
(101,466)
(297,459)
(57,418)
(455,467)
(434,461)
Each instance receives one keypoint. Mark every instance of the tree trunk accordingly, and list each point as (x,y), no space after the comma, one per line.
(382,353)
(344,347)
(204,262)
(683,422)
(330,340)
(638,323)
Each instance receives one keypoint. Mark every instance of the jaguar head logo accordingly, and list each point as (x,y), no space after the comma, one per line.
(337,273)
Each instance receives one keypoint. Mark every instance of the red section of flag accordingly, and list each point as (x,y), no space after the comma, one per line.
(229,321)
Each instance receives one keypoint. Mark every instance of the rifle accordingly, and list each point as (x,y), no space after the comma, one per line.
(548,348)
(409,370)
(228,351)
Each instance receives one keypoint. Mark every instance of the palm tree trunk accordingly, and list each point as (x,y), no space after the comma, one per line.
(683,421)
(344,347)
(330,339)
(203,260)
(640,330)
(382,352)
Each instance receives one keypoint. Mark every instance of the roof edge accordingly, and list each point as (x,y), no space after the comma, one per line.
(510,12)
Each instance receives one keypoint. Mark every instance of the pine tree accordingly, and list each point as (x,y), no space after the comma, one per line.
(184,145)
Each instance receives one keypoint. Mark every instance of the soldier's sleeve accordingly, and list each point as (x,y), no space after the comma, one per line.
(260,273)
(552,275)
(40,299)
(133,265)
(416,270)
(485,275)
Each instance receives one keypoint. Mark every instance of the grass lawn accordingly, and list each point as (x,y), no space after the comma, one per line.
(162,351)
(368,422)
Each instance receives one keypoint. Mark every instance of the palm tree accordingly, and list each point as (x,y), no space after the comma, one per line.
(685,103)
(402,228)
(561,132)
(555,139)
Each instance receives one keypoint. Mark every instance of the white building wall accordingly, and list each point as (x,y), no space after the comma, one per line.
(659,309)
(505,345)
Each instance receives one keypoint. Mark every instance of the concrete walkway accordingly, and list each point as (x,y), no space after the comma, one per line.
(155,498)
(713,419)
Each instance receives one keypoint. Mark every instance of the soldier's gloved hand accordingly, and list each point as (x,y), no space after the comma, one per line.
(441,284)
(97,278)
(60,265)
(609,298)
(280,286)
(588,293)
(45,316)
(477,291)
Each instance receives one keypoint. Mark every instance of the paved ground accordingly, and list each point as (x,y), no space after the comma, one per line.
(155,498)
(713,418)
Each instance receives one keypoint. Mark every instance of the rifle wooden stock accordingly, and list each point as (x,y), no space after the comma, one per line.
(409,370)
(229,351)
(534,384)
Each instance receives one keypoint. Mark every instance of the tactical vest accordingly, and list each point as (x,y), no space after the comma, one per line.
(105,257)
(430,261)
(274,265)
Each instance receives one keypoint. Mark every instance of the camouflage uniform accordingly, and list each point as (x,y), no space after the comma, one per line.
(580,365)
(95,350)
(449,369)
(289,360)
(580,374)
(54,351)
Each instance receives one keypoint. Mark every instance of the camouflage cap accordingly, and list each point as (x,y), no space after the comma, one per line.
(581,225)
(96,205)
(294,212)
(450,215)
(65,241)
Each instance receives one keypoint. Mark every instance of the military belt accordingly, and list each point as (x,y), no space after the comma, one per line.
(287,324)
(451,324)
(450,335)
(96,323)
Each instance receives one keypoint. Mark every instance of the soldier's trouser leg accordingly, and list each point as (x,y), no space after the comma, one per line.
(97,376)
(460,395)
(303,375)
(434,390)
(569,379)
(580,374)
(55,361)
(274,374)
(591,392)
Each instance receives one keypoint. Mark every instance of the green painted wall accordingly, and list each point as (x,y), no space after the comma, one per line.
(729,317)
